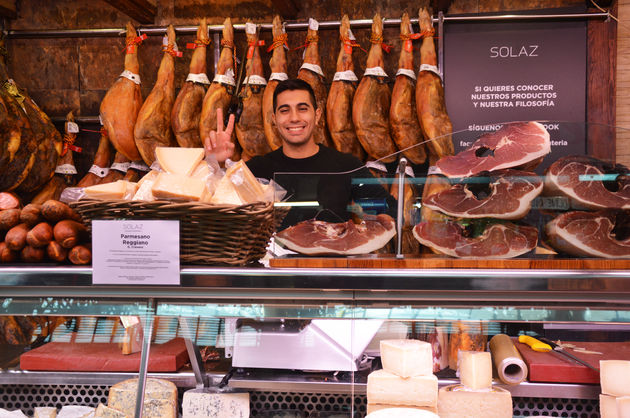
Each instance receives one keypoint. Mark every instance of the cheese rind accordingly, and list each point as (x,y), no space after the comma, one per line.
(160,398)
(614,406)
(387,388)
(373,407)
(615,377)
(175,186)
(180,161)
(402,413)
(455,401)
(407,358)
(475,369)
(201,403)
(104,411)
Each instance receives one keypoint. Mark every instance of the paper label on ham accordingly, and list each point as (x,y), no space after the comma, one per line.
(256,80)
(313,24)
(201,78)
(66,169)
(124,167)
(431,68)
(404,71)
(351,35)
(433,170)
(130,76)
(376,165)
(314,68)
(278,76)
(72,128)
(375,71)
(139,165)
(100,119)
(250,28)
(224,79)
(345,76)
(99,171)
(408,171)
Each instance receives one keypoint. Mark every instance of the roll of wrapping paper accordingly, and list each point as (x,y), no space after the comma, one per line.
(511,368)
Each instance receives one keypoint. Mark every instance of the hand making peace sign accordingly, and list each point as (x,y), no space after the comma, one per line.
(219,142)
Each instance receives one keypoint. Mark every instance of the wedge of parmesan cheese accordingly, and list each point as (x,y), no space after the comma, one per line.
(117,190)
(176,186)
(175,160)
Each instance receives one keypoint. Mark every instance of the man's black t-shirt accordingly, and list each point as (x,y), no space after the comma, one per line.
(340,179)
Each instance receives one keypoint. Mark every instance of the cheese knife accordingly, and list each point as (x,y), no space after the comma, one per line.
(542,344)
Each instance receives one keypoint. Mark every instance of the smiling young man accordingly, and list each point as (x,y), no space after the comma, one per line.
(308,171)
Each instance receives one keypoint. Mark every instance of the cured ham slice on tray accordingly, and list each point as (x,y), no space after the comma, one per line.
(372,100)
(65,172)
(347,238)
(187,107)
(312,73)
(591,234)
(434,121)
(250,130)
(514,145)
(220,91)
(153,127)
(403,115)
(589,182)
(278,65)
(502,194)
(122,102)
(339,104)
(497,240)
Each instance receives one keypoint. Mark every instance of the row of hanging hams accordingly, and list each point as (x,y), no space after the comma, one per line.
(363,117)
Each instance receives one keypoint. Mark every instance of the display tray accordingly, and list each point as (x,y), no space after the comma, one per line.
(103,357)
(555,367)
(429,261)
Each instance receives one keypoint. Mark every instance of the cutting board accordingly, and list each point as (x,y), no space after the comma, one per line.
(554,367)
(103,357)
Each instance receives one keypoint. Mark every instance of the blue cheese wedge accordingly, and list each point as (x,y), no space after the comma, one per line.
(160,398)
(104,411)
(203,403)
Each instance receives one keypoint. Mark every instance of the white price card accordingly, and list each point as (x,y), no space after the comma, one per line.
(135,252)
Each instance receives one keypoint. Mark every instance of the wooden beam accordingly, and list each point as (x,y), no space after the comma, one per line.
(8,9)
(143,11)
(287,9)
(601,87)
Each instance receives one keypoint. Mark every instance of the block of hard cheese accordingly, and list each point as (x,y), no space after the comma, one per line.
(399,412)
(455,401)
(160,398)
(104,411)
(175,160)
(225,193)
(246,185)
(116,190)
(387,388)
(614,406)
(176,186)
(5,413)
(45,412)
(373,407)
(145,184)
(407,358)
(615,377)
(475,369)
(207,403)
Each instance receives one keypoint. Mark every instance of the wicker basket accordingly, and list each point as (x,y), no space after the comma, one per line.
(209,234)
